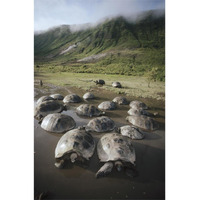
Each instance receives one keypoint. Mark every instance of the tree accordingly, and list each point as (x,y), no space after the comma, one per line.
(152,75)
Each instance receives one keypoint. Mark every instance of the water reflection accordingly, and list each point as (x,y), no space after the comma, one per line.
(77,181)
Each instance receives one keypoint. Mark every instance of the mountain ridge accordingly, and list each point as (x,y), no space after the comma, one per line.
(123,43)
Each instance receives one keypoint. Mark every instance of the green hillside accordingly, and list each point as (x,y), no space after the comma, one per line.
(116,46)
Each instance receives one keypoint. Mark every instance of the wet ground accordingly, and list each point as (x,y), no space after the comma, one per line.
(76,181)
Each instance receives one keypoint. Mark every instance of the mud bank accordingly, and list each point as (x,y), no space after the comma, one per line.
(79,182)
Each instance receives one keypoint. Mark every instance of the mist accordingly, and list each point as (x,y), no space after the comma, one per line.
(88,13)
(132,18)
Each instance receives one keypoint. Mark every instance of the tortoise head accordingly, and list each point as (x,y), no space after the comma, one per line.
(73,157)
(39,117)
(127,118)
(81,127)
(117,129)
(65,106)
(102,113)
(119,166)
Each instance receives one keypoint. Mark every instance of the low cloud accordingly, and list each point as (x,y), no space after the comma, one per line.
(87,13)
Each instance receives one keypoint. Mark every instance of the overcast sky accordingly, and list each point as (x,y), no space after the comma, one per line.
(49,13)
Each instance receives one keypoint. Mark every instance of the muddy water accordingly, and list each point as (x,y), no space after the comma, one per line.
(76,181)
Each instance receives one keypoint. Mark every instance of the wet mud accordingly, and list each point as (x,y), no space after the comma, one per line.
(77,181)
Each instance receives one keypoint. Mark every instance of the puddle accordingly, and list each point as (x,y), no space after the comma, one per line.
(79,182)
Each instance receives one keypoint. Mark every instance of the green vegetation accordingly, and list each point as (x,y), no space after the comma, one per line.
(132,86)
(133,49)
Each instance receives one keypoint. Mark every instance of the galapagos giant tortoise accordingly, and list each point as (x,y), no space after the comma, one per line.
(58,123)
(43,99)
(88,110)
(138,104)
(88,95)
(72,98)
(100,124)
(74,145)
(131,132)
(100,82)
(115,149)
(142,121)
(107,105)
(116,84)
(48,107)
(57,96)
(120,100)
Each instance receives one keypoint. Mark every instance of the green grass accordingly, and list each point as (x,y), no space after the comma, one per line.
(133,48)
(125,62)
(135,57)
(132,85)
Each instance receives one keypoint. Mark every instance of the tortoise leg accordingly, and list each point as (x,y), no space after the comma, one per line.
(60,164)
(104,170)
